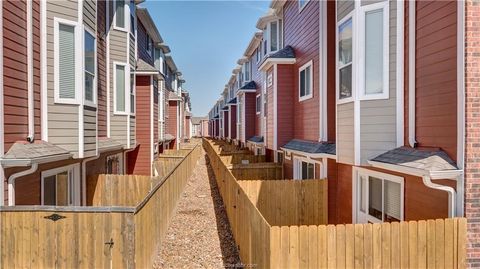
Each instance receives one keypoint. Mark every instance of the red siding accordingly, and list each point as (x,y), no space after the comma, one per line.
(142,164)
(285,110)
(331,72)
(233,122)
(332,191)
(436,75)
(301,31)
(226,124)
(344,193)
(249,115)
(171,127)
(102,70)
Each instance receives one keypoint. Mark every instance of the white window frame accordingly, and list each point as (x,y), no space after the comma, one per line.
(127,88)
(78,61)
(126,10)
(131,72)
(300,6)
(75,170)
(149,44)
(95,95)
(357,173)
(361,57)
(120,160)
(304,67)
(258,106)
(132,13)
(351,16)
(247,67)
(266,37)
(297,161)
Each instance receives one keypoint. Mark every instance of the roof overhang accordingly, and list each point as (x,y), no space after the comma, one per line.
(164,47)
(171,63)
(310,155)
(271,15)
(277,4)
(254,42)
(28,162)
(237,69)
(240,91)
(269,62)
(442,174)
(147,21)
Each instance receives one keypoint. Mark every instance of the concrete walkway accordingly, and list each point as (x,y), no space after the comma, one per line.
(199,235)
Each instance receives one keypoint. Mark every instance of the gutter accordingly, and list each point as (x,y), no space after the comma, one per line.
(427,181)
(11,182)
(311,155)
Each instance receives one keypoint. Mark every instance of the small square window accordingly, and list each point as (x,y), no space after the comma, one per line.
(258,104)
(305,82)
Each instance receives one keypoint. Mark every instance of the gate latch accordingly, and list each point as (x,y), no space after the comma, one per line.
(110,243)
(54,217)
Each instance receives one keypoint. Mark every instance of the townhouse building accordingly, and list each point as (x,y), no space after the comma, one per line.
(74,80)
(200,127)
(377,97)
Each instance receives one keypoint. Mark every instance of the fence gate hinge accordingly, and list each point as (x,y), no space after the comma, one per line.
(110,243)
(54,217)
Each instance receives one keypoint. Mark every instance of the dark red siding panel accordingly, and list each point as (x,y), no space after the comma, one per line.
(233,122)
(285,110)
(142,165)
(344,193)
(331,72)
(171,127)
(249,115)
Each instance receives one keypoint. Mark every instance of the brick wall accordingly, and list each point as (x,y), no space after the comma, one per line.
(472,130)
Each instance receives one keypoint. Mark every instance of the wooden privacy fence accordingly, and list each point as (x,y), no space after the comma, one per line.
(117,190)
(257,171)
(94,237)
(266,238)
(241,158)
(164,164)
(289,202)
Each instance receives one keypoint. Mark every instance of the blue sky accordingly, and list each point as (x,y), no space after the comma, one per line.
(206,38)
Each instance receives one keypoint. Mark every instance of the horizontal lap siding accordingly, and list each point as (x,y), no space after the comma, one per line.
(226,123)
(118,53)
(90,132)
(249,115)
(89,10)
(270,110)
(344,193)
(285,110)
(301,30)
(257,77)
(62,119)
(332,190)
(344,8)
(142,45)
(133,139)
(15,72)
(436,75)
(233,122)
(143,101)
(102,69)
(378,117)
(172,119)
(345,133)
(132,53)
(331,72)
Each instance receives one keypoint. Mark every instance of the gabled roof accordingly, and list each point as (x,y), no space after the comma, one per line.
(286,52)
(171,63)
(283,56)
(310,147)
(427,159)
(233,101)
(144,67)
(254,42)
(269,16)
(24,153)
(255,139)
(144,16)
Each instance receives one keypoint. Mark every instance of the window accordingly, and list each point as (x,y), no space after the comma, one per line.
(345,60)
(279,157)
(89,68)
(303,169)
(65,62)
(114,165)
(379,197)
(120,14)
(148,44)
(258,104)
(120,88)
(60,186)
(272,37)
(246,72)
(258,54)
(374,70)
(305,81)
(302,4)
(132,91)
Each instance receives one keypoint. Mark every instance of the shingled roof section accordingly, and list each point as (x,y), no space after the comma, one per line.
(34,152)
(249,86)
(255,139)
(311,147)
(424,159)
(287,52)
(233,101)
(107,144)
(143,66)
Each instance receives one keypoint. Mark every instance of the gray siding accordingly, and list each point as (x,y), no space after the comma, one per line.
(89,14)
(118,53)
(378,117)
(344,7)
(345,133)
(90,132)
(62,119)
(132,54)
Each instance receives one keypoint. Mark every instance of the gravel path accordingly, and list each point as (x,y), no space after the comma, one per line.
(199,235)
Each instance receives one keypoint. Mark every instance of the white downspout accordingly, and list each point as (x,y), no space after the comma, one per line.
(411,73)
(84,177)
(31,104)
(451,193)
(11,182)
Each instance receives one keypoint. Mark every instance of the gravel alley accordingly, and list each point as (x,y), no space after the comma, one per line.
(199,235)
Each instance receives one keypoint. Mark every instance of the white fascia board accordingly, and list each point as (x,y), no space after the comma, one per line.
(446,174)
(270,61)
(311,155)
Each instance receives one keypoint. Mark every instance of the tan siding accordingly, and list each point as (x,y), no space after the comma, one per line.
(90,132)
(132,53)
(89,14)
(62,119)
(378,117)
(344,7)
(345,133)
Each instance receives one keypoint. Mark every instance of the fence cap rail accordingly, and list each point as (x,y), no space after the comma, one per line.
(73,209)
